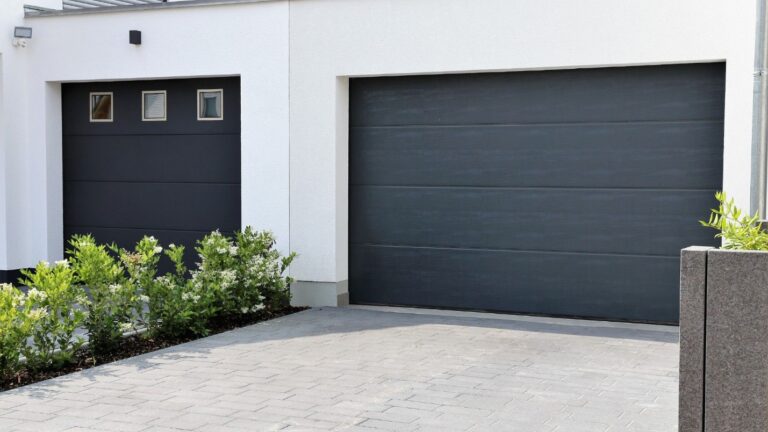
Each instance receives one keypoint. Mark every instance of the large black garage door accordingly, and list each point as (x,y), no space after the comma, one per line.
(558,192)
(175,179)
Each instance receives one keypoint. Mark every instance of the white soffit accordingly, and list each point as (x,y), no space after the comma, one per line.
(89,4)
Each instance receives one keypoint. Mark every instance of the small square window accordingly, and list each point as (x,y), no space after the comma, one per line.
(153,105)
(210,104)
(101,106)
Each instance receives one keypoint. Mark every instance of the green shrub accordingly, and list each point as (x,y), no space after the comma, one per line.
(106,289)
(246,273)
(179,306)
(260,271)
(17,319)
(217,271)
(113,301)
(141,263)
(737,229)
(54,298)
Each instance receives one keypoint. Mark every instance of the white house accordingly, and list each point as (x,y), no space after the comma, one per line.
(517,156)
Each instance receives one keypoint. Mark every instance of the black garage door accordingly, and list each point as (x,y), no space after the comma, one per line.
(175,179)
(557,192)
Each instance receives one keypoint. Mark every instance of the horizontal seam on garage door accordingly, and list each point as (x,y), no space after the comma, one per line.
(543,251)
(537,188)
(151,134)
(154,182)
(575,123)
(85,227)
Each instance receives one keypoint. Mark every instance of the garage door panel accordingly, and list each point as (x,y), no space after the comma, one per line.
(127,238)
(564,192)
(176,179)
(605,286)
(181,206)
(153,158)
(612,155)
(675,92)
(640,221)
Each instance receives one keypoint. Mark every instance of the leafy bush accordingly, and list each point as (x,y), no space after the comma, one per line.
(141,264)
(113,301)
(260,271)
(110,290)
(737,229)
(179,306)
(54,299)
(217,271)
(246,273)
(17,319)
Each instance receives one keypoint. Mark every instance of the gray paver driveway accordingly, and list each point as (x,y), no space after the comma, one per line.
(366,370)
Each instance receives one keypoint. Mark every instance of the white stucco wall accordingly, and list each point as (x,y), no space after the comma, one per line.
(13,127)
(334,39)
(294,58)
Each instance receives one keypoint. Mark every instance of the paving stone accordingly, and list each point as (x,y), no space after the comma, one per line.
(362,370)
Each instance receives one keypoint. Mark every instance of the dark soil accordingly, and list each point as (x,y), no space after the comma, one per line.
(138,344)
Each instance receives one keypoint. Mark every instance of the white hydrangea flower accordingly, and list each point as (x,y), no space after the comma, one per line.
(188,296)
(221,250)
(171,245)
(233,250)
(35,294)
(45,263)
(257,308)
(126,327)
(244,310)
(37,314)
(158,249)
(63,263)
(114,288)
(144,298)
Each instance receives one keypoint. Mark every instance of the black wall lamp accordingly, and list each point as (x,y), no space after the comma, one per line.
(22,32)
(134,37)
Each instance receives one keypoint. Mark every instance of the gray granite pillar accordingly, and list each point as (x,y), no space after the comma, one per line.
(693,281)
(736,350)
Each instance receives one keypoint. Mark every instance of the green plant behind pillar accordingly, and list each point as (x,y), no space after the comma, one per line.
(738,230)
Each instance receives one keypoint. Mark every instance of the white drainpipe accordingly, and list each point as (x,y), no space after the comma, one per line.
(759,107)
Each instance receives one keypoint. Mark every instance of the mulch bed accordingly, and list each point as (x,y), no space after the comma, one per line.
(139,344)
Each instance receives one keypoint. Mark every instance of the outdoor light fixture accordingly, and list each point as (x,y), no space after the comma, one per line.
(134,37)
(21,35)
(22,32)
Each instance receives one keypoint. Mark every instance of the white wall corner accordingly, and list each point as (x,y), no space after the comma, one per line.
(342,178)
(317,294)
(54,175)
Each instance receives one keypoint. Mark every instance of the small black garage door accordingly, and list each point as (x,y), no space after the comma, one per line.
(175,179)
(557,192)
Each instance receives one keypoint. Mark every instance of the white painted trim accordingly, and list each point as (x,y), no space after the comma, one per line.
(111,107)
(165,106)
(221,117)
